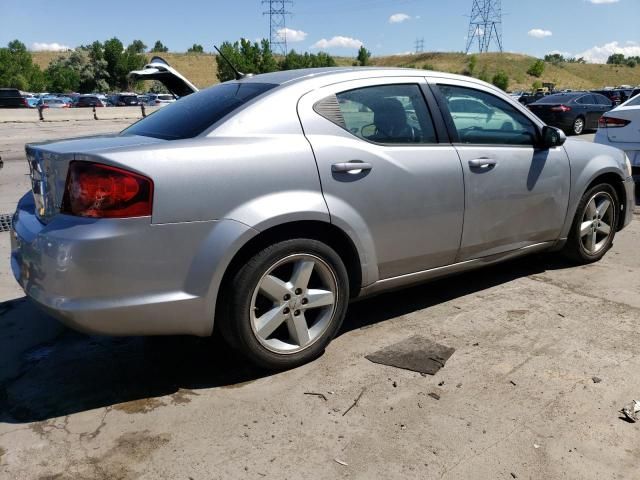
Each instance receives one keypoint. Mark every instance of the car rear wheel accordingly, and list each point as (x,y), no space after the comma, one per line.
(283,307)
(578,126)
(594,226)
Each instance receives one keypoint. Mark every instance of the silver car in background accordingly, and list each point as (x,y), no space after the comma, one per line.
(261,207)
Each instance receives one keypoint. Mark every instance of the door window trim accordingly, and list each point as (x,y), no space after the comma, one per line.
(448,119)
(437,129)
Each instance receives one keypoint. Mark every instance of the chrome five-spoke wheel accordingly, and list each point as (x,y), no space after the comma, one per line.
(285,303)
(594,225)
(597,223)
(293,303)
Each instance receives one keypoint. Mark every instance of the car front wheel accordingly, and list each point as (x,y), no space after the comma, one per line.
(283,307)
(594,225)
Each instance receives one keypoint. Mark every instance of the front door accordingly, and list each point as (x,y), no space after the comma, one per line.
(384,173)
(516,195)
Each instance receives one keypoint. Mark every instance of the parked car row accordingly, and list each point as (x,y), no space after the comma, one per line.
(14,98)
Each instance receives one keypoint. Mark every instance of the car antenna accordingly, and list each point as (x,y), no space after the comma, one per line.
(239,74)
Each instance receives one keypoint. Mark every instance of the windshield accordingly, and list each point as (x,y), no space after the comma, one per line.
(192,115)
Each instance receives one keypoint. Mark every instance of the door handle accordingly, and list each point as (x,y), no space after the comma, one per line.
(351,167)
(483,163)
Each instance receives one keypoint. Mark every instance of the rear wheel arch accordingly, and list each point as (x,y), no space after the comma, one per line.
(324,232)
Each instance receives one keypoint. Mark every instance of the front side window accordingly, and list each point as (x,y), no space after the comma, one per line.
(483,118)
(388,114)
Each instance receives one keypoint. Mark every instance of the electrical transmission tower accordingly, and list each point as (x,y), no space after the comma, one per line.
(419,45)
(485,25)
(277,11)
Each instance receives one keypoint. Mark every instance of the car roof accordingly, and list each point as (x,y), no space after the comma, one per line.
(304,74)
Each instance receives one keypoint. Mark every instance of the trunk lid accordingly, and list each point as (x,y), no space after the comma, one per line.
(49,162)
(160,70)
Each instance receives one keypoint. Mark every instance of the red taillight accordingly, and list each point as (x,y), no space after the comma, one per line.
(612,122)
(25,102)
(561,108)
(101,191)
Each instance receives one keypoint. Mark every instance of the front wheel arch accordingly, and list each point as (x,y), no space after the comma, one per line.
(616,182)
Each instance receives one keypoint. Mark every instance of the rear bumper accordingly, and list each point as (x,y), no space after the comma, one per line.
(123,276)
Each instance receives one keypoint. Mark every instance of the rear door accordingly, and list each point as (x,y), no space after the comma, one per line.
(516,195)
(388,173)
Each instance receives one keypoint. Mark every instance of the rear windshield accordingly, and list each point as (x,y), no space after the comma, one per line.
(558,98)
(634,102)
(192,115)
(9,93)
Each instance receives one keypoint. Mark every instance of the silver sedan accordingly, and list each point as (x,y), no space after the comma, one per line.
(261,207)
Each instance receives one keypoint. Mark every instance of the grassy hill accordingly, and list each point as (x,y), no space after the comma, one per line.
(201,68)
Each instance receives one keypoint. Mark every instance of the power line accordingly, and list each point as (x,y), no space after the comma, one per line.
(485,25)
(277,11)
(420,45)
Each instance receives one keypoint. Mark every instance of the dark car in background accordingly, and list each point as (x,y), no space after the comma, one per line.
(573,112)
(616,95)
(124,100)
(87,101)
(12,98)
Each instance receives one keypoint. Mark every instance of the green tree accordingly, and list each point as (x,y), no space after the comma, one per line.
(159,47)
(616,59)
(536,69)
(196,48)
(631,62)
(472,64)
(537,85)
(17,69)
(363,56)
(247,57)
(554,58)
(501,80)
(62,76)
(484,75)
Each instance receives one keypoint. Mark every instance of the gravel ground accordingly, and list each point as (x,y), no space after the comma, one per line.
(546,355)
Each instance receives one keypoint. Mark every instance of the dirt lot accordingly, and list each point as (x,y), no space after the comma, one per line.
(518,398)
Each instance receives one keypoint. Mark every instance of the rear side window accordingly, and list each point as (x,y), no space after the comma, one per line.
(586,100)
(602,100)
(388,114)
(193,114)
(497,122)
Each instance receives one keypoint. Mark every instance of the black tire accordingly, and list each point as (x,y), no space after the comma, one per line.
(234,312)
(574,249)
(578,127)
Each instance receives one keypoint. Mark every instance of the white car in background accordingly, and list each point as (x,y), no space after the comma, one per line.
(160,99)
(620,128)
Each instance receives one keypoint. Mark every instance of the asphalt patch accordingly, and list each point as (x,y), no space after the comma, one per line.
(418,354)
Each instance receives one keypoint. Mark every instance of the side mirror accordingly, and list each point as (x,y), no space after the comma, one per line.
(552,137)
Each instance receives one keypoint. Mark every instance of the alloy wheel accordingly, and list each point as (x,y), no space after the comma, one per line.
(578,126)
(294,303)
(597,223)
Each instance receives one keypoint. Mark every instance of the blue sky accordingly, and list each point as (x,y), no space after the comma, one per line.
(591,28)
